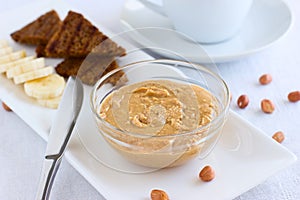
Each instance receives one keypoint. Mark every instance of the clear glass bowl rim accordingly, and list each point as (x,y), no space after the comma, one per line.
(215,120)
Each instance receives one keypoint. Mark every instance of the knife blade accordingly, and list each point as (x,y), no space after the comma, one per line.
(60,133)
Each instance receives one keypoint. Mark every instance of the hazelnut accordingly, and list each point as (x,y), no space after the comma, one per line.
(278,136)
(243,101)
(159,195)
(267,106)
(265,79)
(6,107)
(294,96)
(207,174)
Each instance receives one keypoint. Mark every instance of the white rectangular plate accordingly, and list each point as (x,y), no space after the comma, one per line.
(243,158)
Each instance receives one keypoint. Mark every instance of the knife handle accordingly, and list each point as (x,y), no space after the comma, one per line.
(49,170)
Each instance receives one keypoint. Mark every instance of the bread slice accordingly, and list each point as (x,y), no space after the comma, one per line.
(40,50)
(89,69)
(40,30)
(77,37)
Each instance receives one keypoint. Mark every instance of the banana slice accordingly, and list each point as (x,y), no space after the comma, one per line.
(32,75)
(25,67)
(7,66)
(12,56)
(50,103)
(3,43)
(45,88)
(6,50)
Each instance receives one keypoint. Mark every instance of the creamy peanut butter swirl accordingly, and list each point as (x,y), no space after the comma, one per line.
(158,107)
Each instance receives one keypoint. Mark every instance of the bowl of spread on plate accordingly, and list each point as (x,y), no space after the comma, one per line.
(163,114)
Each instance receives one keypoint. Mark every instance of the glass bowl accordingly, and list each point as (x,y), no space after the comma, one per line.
(200,118)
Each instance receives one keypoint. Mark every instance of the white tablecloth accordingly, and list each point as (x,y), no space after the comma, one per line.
(21,149)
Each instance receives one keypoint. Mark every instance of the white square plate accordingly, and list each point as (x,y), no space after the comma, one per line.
(243,158)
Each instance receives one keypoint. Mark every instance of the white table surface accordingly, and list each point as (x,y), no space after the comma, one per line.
(21,149)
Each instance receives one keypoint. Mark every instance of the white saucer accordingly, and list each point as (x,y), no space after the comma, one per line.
(267,21)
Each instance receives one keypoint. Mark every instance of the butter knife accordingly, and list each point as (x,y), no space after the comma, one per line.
(60,133)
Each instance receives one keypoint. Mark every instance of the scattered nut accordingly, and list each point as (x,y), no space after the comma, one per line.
(6,107)
(265,79)
(278,136)
(267,106)
(294,96)
(207,174)
(159,195)
(243,101)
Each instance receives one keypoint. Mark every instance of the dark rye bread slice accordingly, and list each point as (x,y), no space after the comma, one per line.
(89,69)
(40,30)
(77,37)
(40,50)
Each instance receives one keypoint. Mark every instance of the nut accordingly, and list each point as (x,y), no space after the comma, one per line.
(6,107)
(294,96)
(243,101)
(278,136)
(265,79)
(159,195)
(267,106)
(207,174)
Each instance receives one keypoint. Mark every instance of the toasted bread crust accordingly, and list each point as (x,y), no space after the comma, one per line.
(77,37)
(39,31)
(89,69)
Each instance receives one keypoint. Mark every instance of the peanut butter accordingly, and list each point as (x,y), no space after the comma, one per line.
(153,110)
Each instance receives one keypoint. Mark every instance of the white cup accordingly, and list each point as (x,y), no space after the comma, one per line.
(206,21)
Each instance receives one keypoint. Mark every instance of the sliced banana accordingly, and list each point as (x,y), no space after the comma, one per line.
(50,103)
(45,88)
(12,56)
(6,50)
(25,67)
(3,43)
(32,75)
(7,66)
